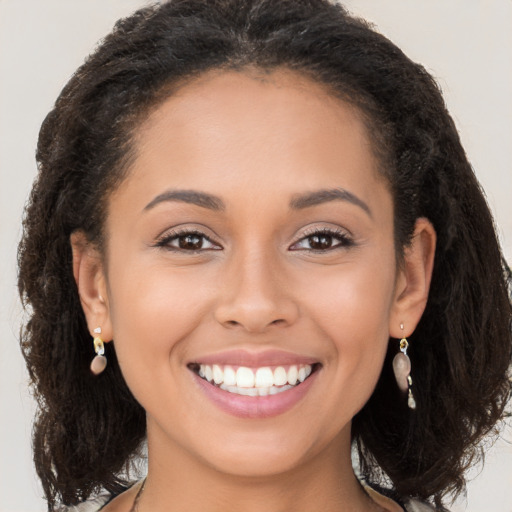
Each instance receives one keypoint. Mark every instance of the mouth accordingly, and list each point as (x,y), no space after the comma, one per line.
(254,382)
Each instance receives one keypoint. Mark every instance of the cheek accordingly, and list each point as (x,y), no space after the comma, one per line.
(352,308)
(152,309)
(356,296)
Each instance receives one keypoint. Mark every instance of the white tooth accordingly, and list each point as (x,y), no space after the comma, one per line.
(246,391)
(293,373)
(229,376)
(208,372)
(280,377)
(302,374)
(273,390)
(264,378)
(244,377)
(309,369)
(218,374)
(201,370)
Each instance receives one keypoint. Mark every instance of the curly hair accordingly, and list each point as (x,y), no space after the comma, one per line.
(88,428)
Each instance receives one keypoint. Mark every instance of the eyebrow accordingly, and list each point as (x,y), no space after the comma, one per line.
(298,202)
(317,197)
(202,199)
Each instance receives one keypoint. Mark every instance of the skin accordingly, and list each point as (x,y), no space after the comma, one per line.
(257,143)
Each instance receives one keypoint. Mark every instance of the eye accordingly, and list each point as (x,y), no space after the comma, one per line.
(187,241)
(323,240)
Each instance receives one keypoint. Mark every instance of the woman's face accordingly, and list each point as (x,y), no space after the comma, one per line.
(253,232)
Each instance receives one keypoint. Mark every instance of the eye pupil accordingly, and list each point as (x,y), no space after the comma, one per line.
(320,242)
(191,242)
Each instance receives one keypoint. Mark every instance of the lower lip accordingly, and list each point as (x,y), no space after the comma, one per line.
(255,406)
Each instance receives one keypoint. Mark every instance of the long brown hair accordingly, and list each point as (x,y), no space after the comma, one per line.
(88,428)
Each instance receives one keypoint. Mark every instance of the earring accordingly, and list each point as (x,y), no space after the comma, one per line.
(402,370)
(99,363)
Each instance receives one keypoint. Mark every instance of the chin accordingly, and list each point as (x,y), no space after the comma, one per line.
(251,465)
(263,455)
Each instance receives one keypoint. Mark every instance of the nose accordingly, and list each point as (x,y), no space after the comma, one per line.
(255,295)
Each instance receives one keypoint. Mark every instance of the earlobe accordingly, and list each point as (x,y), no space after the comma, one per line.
(413,281)
(90,280)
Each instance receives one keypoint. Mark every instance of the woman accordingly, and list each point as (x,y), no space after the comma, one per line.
(249,215)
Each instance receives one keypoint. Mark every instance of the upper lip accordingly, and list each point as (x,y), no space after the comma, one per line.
(242,357)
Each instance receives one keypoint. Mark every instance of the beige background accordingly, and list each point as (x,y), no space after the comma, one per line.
(466,44)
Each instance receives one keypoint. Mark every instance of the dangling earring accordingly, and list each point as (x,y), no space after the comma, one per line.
(402,369)
(99,363)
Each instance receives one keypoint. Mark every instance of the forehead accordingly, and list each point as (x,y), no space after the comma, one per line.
(230,125)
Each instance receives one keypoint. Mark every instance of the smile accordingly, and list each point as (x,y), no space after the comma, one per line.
(254,382)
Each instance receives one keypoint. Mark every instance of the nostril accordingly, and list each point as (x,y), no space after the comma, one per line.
(254,328)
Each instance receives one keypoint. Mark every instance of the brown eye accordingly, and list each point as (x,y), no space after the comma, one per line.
(320,242)
(187,241)
(323,240)
(190,242)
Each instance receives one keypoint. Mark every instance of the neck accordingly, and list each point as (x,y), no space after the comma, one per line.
(178,481)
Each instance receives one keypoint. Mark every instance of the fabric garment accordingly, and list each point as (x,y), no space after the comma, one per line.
(407,505)
(416,506)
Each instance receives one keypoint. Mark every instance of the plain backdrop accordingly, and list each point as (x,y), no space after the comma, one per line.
(465,44)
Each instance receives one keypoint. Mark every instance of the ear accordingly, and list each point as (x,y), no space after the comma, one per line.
(413,280)
(91,283)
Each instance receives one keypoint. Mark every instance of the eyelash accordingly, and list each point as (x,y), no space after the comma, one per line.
(345,241)
(166,240)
